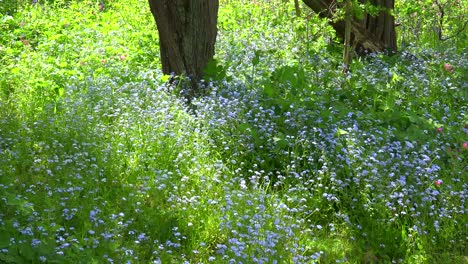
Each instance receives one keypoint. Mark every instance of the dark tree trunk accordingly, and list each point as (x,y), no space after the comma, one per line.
(187,35)
(297,7)
(372,33)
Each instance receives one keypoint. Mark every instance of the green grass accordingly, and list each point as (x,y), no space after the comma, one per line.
(285,160)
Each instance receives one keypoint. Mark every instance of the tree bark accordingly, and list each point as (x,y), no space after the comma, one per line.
(187,35)
(347,55)
(297,7)
(372,33)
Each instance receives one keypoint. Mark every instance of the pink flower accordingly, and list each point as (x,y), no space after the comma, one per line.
(465,145)
(448,67)
(439,129)
(438,182)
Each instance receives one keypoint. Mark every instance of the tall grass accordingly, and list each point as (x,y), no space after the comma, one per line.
(285,160)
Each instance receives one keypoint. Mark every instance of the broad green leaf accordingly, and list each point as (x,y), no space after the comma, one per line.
(165,78)
(211,68)
(342,132)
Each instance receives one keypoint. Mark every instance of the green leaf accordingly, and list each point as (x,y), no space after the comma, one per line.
(256,58)
(281,140)
(59,91)
(244,127)
(165,78)
(62,64)
(342,132)
(269,90)
(15,70)
(211,68)
(214,71)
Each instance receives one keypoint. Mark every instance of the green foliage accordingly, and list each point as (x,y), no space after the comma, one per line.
(216,71)
(422,23)
(10,7)
(285,158)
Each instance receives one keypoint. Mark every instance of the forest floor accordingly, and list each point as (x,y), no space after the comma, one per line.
(284,160)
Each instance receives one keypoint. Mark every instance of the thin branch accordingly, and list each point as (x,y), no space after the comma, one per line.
(458,33)
(441,18)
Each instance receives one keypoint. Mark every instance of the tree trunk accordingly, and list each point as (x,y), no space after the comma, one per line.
(187,35)
(347,55)
(372,33)
(297,7)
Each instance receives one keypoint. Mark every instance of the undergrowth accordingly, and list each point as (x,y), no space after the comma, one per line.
(285,160)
